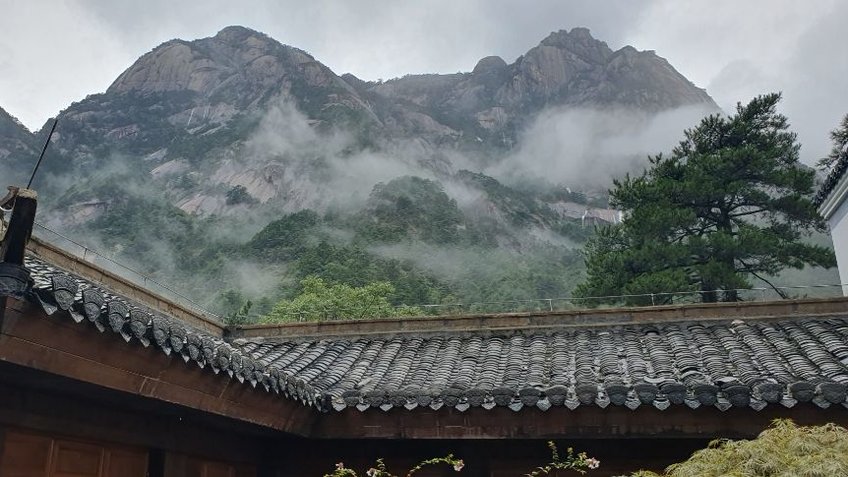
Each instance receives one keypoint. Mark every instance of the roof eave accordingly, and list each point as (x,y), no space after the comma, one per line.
(834,199)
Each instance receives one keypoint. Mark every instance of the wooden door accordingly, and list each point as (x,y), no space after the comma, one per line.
(34,455)
(75,459)
(179,465)
(25,455)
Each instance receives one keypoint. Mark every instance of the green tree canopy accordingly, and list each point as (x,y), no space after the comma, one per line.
(731,202)
(410,207)
(320,301)
(839,152)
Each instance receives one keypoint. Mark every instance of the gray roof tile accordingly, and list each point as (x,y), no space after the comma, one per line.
(724,364)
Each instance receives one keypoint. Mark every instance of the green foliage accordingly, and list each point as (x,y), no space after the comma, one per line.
(239,195)
(498,276)
(380,469)
(143,230)
(286,238)
(241,316)
(522,209)
(839,152)
(784,449)
(234,307)
(319,301)
(731,202)
(355,266)
(410,208)
(462,262)
(578,463)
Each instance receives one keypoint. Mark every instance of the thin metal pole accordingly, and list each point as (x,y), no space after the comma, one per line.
(43,150)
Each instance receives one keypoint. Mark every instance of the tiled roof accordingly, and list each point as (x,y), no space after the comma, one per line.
(85,303)
(708,362)
(831,181)
(716,363)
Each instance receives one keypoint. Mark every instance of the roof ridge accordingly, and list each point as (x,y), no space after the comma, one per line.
(65,261)
(586,318)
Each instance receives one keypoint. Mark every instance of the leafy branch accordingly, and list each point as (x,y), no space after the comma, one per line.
(577,463)
(380,469)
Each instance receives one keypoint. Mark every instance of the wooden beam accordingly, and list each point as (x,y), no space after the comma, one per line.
(20,227)
(58,345)
(67,415)
(78,351)
(585,422)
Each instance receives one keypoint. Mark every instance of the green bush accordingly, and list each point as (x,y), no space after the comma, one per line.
(783,450)
(320,301)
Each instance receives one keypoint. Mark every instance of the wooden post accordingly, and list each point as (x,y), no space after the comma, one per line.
(20,227)
(15,280)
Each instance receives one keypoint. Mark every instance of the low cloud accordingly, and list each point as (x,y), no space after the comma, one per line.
(586,148)
(330,164)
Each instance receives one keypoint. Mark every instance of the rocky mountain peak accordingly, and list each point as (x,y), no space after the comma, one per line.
(10,124)
(489,64)
(578,42)
(204,65)
(576,38)
(237,35)
(17,146)
(195,104)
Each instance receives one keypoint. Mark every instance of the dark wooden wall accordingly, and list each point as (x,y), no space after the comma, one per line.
(28,454)
(178,441)
(483,458)
(69,383)
(113,434)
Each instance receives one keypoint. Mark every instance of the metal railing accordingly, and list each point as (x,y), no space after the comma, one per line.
(542,305)
(538,305)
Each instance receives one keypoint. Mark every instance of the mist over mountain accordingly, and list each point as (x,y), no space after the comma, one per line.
(206,115)
(17,147)
(202,146)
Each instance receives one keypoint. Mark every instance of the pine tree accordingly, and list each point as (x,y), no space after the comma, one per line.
(730,202)
(839,152)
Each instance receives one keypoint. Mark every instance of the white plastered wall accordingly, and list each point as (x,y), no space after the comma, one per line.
(839,234)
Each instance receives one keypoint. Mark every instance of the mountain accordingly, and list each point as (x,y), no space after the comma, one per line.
(17,147)
(201,116)
(184,90)
(565,69)
(186,98)
(202,154)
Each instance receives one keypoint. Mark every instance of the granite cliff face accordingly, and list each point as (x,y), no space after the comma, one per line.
(185,93)
(17,148)
(198,164)
(496,99)
(185,90)
(239,109)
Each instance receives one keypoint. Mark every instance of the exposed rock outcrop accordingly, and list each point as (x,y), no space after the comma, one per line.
(183,114)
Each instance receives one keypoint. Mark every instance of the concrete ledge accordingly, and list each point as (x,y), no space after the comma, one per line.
(511,321)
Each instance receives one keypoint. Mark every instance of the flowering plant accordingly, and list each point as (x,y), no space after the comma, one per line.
(380,470)
(578,463)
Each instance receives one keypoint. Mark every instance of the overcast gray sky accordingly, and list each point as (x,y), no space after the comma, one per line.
(54,52)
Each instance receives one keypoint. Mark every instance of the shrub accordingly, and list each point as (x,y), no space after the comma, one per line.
(784,449)
(380,470)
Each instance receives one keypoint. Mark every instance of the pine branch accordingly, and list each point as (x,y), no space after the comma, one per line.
(748,269)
